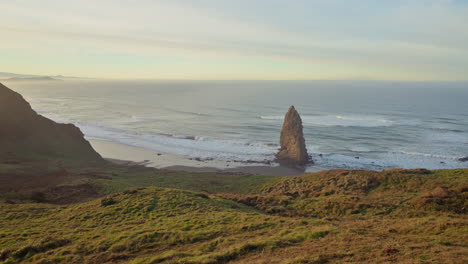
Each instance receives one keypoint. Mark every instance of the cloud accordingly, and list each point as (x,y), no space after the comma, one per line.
(424,37)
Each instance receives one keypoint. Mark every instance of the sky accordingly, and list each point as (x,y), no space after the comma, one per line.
(415,40)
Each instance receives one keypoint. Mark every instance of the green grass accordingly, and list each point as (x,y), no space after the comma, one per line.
(326,217)
(142,225)
(123,178)
(161,225)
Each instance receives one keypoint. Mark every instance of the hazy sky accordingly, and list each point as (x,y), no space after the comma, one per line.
(237,39)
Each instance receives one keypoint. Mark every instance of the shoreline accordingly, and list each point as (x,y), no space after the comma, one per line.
(123,154)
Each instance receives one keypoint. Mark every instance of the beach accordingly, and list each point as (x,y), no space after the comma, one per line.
(129,155)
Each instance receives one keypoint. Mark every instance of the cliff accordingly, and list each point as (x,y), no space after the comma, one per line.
(23,132)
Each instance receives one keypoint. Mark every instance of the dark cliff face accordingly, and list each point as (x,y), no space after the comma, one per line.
(24,132)
(293,150)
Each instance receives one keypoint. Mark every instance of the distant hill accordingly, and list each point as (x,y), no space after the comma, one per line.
(25,79)
(11,75)
(6,75)
(24,133)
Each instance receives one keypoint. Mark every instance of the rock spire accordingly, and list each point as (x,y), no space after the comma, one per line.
(293,150)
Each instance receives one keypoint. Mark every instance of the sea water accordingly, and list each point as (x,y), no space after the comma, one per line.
(347,124)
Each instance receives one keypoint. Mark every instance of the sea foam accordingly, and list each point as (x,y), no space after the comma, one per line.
(185,145)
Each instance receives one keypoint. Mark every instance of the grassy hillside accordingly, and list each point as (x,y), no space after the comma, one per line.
(395,216)
(347,192)
(149,225)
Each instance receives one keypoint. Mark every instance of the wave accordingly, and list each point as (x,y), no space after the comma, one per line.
(190,146)
(185,145)
(43,109)
(339,120)
(437,156)
(144,119)
(187,112)
(445,129)
(46,100)
(271,117)
(409,160)
(130,119)
(46,105)
(360,149)
(231,110)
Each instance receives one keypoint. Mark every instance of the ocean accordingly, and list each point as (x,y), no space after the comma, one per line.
(347,124)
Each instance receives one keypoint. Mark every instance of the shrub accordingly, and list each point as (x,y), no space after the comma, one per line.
(107,201)
(4,253)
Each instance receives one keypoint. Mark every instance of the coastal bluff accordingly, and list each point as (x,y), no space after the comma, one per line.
(24,133)
(293,150)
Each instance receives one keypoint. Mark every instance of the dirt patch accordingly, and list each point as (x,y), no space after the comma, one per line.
(34,179)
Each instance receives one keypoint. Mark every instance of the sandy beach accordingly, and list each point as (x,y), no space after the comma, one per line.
(126,154)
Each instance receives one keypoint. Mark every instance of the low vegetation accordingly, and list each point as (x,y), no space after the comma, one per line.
(147,225)
(111,214)
(345,192)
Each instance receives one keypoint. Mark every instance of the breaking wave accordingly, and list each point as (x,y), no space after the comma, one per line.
(339,120)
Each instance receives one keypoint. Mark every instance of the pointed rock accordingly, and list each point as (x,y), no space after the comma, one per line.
(23,132)
(293,150)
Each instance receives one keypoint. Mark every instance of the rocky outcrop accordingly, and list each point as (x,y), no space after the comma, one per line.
(25,133)
(293,150)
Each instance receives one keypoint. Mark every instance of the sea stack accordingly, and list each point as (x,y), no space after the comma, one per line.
(23,132)
(293,150)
